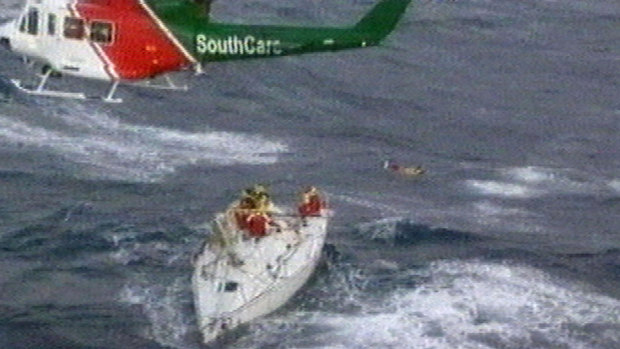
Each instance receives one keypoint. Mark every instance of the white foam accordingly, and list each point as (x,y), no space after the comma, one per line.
(531,174)
(533,181)
(474,304)
(162,305)
(615,185)
(505,218)
(107,148)
(553,180)
(499,188)
(10,9)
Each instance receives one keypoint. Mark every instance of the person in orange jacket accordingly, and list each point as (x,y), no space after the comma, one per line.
(311,203)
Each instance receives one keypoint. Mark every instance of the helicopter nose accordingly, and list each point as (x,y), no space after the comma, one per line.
(6,29)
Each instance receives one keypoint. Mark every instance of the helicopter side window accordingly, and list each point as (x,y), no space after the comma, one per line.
(33,21)
(101,32)
(51,24)
(73,28)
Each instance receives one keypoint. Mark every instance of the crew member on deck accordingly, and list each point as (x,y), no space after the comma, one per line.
(243,210)
(311,203)
(258,224)
(253,213)
(263,203)
(261,198)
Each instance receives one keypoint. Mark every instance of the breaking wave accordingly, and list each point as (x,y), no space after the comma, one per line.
(467,304)
(10,9)
(498,188)
(531,181)
(166,309)
(105,148)
(163,299)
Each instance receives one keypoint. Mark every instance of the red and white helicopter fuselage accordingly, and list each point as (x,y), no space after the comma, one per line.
(134,40)
(81,38)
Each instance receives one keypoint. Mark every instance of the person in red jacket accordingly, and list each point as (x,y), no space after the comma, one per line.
(258,224)
(311,203)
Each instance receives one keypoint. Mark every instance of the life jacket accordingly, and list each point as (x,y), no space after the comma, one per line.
(257,225)
(311,206)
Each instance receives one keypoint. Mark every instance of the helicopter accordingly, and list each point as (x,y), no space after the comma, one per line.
(128,41)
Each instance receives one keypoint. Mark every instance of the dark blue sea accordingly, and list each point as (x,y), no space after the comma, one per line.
(510,240)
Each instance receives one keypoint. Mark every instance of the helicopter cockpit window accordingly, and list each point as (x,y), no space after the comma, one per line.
(101,32)
(33,21)
(73,28)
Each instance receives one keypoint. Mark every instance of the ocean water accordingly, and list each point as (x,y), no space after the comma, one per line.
(511,239)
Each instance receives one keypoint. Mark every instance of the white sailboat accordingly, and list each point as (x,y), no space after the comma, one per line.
(238,278)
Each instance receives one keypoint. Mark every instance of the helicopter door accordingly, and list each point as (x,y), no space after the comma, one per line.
(72,49)
(26,39)
(50,41)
